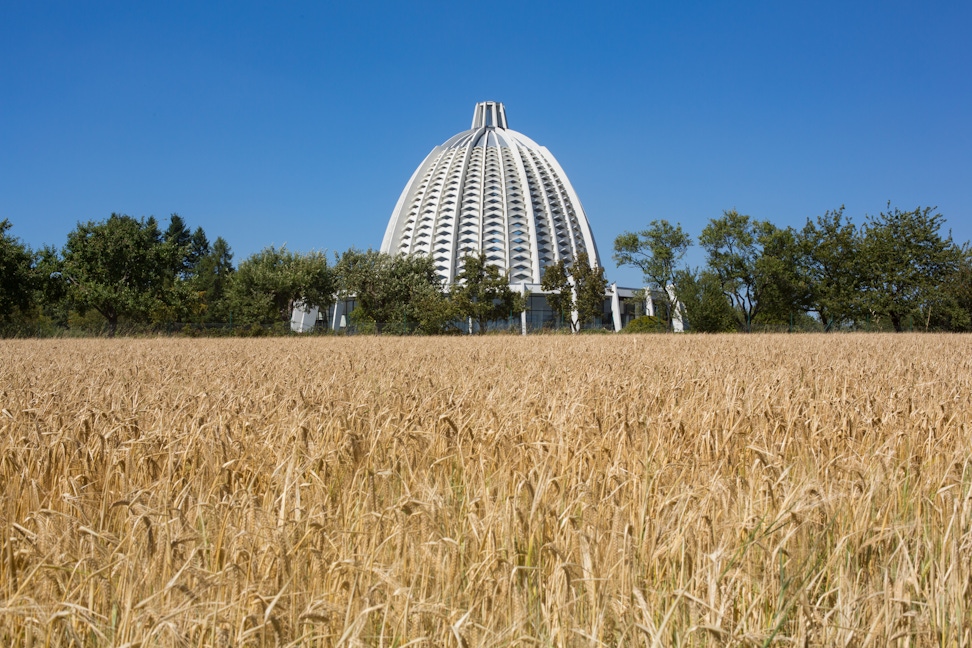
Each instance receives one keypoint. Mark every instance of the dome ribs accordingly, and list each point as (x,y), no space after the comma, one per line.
(493,190)
(555,202)
(543,213)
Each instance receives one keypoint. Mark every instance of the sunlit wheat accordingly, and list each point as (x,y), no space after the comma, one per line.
(498,491)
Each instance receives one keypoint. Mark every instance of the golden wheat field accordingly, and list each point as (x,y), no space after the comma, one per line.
(499,491)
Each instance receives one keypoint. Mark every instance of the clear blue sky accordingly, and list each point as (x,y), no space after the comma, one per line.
(300,123)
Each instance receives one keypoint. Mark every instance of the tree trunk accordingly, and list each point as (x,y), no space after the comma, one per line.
(895,321)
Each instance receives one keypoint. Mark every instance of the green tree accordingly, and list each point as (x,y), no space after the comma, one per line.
(758,268)
(420,294)
(186,249)
(731,249)
(51,291)
(178,302)
(211,280)
(118,267)
(575,287)
(559,291)
(17,279)
(656,251)
(950,307)
(178,238)
(908,265)
(267,285)
(706,307)
(589,286)
(394,293)
(959,290)
(366,278)
(782,284)
(832,265)
(482,294)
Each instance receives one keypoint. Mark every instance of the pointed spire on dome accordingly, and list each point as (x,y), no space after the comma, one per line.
(489,114)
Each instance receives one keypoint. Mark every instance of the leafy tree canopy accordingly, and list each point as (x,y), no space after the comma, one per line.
(706,307)
(267,285)
(832,266)
(908,264)
(16,274)
(590,286)
(757,267)
(117,267)
(482,294)
(781,283)
(211,279)
(656,251)
(396,293)
(186,249)
(560,292)
(576,287)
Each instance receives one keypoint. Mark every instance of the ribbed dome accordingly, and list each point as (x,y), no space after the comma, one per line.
(491,189)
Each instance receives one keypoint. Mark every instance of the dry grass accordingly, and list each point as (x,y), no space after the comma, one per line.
(611,490)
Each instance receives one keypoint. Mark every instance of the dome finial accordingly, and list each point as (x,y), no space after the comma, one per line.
(489,114)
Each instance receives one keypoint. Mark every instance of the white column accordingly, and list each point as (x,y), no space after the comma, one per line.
(523,313)
(616,306)
(334,316)
(678,324)
(574,317)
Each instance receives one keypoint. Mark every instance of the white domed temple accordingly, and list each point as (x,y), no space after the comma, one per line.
(494,190)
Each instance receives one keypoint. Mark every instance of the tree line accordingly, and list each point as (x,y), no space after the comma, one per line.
(131,274)
(896,271)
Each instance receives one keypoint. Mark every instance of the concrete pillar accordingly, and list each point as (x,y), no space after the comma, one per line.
(678,324)
(334,319)
(523,313)
(574,317)
(615,306)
